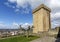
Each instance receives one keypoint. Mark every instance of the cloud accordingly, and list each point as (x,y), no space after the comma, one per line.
(35,3)
(2,25)
(12,1)
(53,4)
(14,25)
(55,15)
(17,10)
(23,2)
(25,25)
(24,11)
(55,24)
(55,18)
(19,5)
(8,5)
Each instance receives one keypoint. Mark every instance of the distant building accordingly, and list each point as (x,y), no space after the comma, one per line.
(14,33)
(41,19)
(8,32)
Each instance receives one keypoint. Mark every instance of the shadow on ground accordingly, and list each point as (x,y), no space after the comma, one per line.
(58,36)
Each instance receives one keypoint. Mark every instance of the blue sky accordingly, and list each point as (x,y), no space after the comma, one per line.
(9,15)
(15,12)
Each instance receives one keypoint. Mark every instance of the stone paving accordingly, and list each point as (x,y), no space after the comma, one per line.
(45,39)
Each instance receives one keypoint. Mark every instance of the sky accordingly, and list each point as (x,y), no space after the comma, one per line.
(16,12)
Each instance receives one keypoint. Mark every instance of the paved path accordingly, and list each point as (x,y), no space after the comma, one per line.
(45,39)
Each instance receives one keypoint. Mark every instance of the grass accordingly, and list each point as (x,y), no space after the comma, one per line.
(19,39)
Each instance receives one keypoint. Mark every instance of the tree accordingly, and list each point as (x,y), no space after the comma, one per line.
(26,30)
(27,35)
(22,29)
(32,29)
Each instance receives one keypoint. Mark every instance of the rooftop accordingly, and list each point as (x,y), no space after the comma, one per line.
(41,6)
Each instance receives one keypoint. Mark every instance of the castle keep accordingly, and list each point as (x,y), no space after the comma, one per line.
(41,19)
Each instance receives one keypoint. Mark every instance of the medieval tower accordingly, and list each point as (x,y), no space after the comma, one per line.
(41,19)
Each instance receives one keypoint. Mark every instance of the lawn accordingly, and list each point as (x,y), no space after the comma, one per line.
(19,39)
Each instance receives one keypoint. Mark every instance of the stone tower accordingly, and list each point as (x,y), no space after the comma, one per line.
(41,19)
